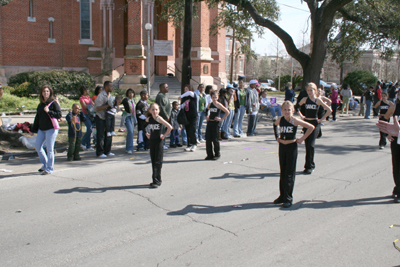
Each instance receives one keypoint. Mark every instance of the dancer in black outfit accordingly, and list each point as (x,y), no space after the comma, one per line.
(154,132)
(288,151)
(212,130)
(311,105)
(383,105)
(394,144)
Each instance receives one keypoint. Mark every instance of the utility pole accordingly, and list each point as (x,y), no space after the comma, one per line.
(187,45)
(232,53)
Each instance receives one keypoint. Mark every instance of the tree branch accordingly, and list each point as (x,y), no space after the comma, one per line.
(287,40)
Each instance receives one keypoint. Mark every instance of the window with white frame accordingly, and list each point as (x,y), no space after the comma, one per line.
(31,18)
(86,21)
(51,37)
(227,44)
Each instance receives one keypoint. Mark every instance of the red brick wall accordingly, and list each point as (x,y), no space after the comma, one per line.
(26,43)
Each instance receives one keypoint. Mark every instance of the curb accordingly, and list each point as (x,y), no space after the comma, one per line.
(11,156)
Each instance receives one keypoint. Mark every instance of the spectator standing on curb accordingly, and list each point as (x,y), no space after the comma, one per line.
(201,105)
(164,105)
(335,100)
(289,92)
(87,110)
(103,101)
(141,110)
(46,131)
(346,93)
(129,116)
(369,97)
(240,109)
(189,104)
(254,106)
(377,98)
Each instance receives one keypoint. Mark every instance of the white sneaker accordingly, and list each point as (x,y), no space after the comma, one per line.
(90,149)
(198,142)
(102,156)
(110,154)
(108,133)
(113,134)
(129,151)
(165,147)
(188,149)
(243,135)
(193,148)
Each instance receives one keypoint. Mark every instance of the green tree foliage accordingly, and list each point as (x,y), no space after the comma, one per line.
(369,17)
(284,80)
(63,82)
(4,2)
(365,22)
(232,17)
(360,80)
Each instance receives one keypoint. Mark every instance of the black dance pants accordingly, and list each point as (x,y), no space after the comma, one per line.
(382,140)
(287,162)
(156,155)
(212,132)
(310,144)
(395,148)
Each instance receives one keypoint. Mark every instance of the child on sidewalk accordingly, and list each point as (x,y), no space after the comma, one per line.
(74,119)
(212,131)
(110,116)
(174,136)
(154,132)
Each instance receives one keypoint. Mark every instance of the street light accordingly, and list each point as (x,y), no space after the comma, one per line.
(148,28)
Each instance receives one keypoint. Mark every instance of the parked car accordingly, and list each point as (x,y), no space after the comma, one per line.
(266,86)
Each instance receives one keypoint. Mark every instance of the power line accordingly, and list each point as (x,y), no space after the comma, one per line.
(294,7)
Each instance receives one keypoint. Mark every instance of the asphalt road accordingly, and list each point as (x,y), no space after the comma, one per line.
(100,212)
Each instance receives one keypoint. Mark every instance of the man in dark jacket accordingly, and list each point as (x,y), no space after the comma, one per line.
(141,110)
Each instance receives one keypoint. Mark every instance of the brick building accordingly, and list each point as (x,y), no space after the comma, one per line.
(105,36)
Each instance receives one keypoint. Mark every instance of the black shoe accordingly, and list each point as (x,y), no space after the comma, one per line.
(153,185)
(172,146)
(209,158)
(70,159)
(77,159)
(237,136)
(40,170)
(217,156)
(287,205)
(278,201)
(308,171)
(178,145)
(396,199)
(45,173)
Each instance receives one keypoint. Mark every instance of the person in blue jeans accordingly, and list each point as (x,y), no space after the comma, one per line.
(130,118)
(174,136)
(274,108)
(46,131)
(240,110)
(87,110)
(201,104)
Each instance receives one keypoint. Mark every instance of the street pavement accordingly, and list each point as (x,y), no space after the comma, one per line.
(101,212)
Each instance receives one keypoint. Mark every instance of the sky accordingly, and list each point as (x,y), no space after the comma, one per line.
(293,20)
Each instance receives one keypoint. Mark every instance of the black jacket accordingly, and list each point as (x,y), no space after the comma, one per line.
(192,113)
(42,120)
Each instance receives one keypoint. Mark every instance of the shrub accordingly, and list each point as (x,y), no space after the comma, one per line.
(360,80)
(63,82)
(24,89)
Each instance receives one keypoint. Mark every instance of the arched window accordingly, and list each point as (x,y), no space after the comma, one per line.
(31,18)
(86,21)
(51,37)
